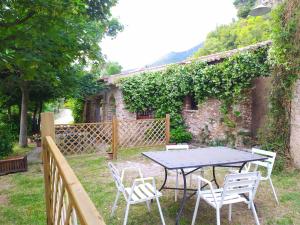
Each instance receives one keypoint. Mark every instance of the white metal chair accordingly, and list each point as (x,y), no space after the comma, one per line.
(142,190)
(181,147)
(268,164)
(234,190)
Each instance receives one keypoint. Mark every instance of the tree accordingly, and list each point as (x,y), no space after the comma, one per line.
(111,68)
(235,35)
(43,40)
(244,7)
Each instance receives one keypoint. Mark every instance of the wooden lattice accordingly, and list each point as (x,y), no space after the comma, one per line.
(84,137)
(67,203)
(138,133)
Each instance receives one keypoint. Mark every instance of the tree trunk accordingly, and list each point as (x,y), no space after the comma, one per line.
(9,113)
(23,119)
(39,120)
(34,119)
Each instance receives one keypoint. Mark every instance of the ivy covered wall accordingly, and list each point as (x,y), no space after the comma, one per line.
(285,61)
(164,91)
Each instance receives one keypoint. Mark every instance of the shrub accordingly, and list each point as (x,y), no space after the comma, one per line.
(180,135)
(6,141)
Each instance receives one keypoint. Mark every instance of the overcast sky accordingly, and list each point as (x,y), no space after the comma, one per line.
(154,28)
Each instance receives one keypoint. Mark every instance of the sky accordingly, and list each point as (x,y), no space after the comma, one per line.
(153,28)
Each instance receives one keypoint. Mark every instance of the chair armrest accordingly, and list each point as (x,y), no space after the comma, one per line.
(200,180)
(131,168)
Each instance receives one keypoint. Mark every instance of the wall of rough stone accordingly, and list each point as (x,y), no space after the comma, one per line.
(207,126)
(260,94)
(295,126)
(121,112)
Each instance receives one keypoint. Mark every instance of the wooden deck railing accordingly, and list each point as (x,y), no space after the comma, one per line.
(67,203)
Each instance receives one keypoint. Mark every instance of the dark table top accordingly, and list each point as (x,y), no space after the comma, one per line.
(201,157)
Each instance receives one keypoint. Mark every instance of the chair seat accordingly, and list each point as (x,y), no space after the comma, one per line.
(229,199)
(142,192)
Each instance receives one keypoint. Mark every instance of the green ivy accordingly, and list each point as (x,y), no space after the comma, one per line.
(164,91)
(285,60)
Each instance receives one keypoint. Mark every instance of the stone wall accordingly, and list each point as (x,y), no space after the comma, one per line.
(207,123)
(121,111)
(260,93)
(295,126)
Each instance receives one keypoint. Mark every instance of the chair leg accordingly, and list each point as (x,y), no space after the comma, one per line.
(160,212)
(148,206)
(115,204)
(254,213)
(126,213)
(273,189)
(229,212)
(196,208)
(218,216)
(176,185)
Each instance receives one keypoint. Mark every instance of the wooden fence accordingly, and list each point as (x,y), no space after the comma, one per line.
(111,136)
(66,200)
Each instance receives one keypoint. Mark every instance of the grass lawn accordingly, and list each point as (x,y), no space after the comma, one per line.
(22,196)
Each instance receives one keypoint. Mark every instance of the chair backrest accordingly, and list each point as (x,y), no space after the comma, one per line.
(269,163)
(116,176)
(241,183)
(177,147)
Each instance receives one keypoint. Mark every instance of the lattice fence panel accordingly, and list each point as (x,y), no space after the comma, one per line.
(139,133)
(83,138)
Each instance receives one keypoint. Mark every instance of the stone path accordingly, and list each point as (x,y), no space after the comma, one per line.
(34,156)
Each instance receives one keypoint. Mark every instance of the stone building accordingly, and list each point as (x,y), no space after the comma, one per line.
(203,121)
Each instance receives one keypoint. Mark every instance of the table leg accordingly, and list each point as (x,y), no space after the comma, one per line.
(242,166)
(165,181)
(183,199)
(214,177)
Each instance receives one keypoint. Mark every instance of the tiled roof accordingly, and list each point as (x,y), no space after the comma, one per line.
(213,58)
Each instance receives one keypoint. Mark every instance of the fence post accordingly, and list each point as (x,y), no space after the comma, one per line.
(47,125)
(114,137)
(47,129)
(167,128)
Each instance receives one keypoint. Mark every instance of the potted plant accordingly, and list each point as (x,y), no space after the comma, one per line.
(37,139)
(110,154)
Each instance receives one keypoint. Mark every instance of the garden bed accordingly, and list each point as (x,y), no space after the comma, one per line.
(13,165)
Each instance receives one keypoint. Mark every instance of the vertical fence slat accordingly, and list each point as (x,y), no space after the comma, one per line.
(46,161)
(114,137)
(167,128)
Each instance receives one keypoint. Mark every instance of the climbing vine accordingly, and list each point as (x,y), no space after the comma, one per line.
(164,91)
(285,60)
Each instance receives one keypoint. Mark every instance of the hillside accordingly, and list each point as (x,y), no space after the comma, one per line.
(174,57)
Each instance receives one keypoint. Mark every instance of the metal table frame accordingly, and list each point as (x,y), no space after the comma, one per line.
(184,174)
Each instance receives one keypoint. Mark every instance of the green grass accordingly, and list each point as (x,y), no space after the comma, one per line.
(19,151)
(22,197)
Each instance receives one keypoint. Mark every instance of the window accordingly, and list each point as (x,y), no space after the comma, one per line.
(148,114)
(190,103)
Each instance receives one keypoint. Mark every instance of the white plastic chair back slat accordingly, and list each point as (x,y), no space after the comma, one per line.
(116,177)
(235,186)
(242,183)
(269,163)
(177,147)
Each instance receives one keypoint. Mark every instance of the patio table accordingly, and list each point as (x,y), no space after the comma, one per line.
(196,159)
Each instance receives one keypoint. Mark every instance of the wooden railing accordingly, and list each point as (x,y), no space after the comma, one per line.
(67,203)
